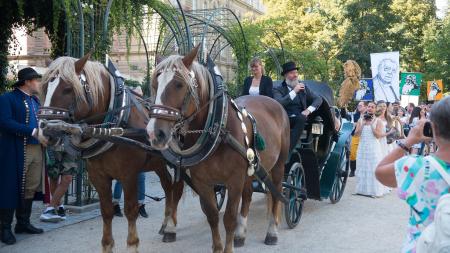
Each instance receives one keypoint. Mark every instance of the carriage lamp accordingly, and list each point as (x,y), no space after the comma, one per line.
(317,129)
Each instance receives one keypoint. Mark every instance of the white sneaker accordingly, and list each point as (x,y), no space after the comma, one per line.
(50,215)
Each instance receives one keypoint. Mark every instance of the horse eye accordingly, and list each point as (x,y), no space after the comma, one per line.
(52,79)
(179,86)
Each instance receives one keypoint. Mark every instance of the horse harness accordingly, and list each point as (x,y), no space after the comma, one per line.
(99,139)
(214,132)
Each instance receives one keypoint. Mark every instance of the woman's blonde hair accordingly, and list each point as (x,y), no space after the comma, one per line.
(255,61)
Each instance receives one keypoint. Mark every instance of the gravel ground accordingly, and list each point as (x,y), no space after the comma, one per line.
(355,224)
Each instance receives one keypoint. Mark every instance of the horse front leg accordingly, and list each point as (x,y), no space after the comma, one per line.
(131,211)
(173,193)
(241,230)
(170,231)
(230,217)
(103,186)
(209,208)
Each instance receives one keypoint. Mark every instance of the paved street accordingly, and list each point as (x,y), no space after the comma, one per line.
(356,224)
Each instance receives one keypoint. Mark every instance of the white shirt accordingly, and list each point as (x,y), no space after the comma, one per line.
(293,94)
(253,91)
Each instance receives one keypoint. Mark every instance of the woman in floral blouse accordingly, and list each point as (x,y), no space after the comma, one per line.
(418,181)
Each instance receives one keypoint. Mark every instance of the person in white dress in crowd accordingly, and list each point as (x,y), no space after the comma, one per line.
(370,129)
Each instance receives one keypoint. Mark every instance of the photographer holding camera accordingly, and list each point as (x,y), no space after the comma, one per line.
(422,180)
(371,130)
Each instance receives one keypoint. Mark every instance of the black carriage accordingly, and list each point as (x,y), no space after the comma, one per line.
(319,165)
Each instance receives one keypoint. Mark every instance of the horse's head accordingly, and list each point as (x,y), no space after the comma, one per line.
(178,85)
(73,89)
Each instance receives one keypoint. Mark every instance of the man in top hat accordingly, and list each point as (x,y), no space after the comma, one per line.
(21,172)
(298,100)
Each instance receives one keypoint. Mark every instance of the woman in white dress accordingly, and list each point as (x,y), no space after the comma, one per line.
(369,154)
(384,115)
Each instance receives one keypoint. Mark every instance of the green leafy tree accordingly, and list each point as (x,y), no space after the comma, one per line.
(408,33)
(437,52)
(367,31)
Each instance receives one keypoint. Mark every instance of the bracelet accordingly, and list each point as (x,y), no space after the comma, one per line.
(403,146)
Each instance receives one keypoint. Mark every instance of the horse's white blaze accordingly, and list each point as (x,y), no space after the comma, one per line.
(163,80)
(50,90)
(241,229)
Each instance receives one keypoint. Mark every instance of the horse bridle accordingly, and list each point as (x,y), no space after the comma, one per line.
(176,115)
(67,115)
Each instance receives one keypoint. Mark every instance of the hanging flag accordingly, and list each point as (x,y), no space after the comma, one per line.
(435,89)
(365,90)
(410,83)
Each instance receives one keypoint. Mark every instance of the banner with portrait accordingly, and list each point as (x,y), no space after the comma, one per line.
(410,83)
(435,90)
(385,75)
(365,90)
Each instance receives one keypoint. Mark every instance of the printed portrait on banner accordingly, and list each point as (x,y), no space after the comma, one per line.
(385,75)
(410,83)
(435,90)
(365,90)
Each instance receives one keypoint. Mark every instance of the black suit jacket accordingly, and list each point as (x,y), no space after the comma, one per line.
(301,102)
(265,87)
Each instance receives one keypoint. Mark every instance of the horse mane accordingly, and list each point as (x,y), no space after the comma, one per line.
(202,75)
(65,68)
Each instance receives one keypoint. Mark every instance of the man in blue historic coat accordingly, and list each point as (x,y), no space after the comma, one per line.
(21,159)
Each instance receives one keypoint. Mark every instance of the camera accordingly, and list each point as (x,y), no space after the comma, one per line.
(368,116)
(427,130)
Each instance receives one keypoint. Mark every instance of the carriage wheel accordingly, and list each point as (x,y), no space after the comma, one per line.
(293,210)
(221,191)
(341,178)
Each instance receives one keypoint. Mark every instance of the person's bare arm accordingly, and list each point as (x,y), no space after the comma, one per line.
(385,171)
(359,126)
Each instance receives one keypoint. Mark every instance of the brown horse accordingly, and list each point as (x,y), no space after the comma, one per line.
(181,87)
(84,87)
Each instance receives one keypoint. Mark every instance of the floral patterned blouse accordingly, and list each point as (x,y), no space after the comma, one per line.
(421,186)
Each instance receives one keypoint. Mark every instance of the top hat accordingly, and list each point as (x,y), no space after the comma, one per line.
(288,66)
(26,74)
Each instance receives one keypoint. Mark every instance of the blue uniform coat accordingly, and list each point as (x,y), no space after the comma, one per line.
(14,132)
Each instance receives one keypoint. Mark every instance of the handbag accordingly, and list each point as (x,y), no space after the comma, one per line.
(436,236)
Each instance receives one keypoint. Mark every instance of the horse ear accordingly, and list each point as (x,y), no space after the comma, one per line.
(79,65)
(190,57)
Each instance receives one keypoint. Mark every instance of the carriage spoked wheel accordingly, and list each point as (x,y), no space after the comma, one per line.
(294,208)
(220,191)
(341,178)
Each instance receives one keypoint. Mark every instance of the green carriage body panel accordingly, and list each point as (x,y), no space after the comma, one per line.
(335,160)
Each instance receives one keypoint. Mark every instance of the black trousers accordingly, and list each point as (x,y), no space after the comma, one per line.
(297,125)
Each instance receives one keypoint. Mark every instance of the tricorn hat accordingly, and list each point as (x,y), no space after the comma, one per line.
(26,74)
(288,66)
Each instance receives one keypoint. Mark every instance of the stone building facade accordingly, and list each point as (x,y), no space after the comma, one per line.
(34,49)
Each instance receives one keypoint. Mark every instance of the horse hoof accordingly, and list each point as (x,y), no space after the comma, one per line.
(161,230)
(239,241)
(169,237)
(271,240)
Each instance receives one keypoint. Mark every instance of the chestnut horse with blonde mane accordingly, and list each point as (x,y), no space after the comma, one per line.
(181,86)
(65,87)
